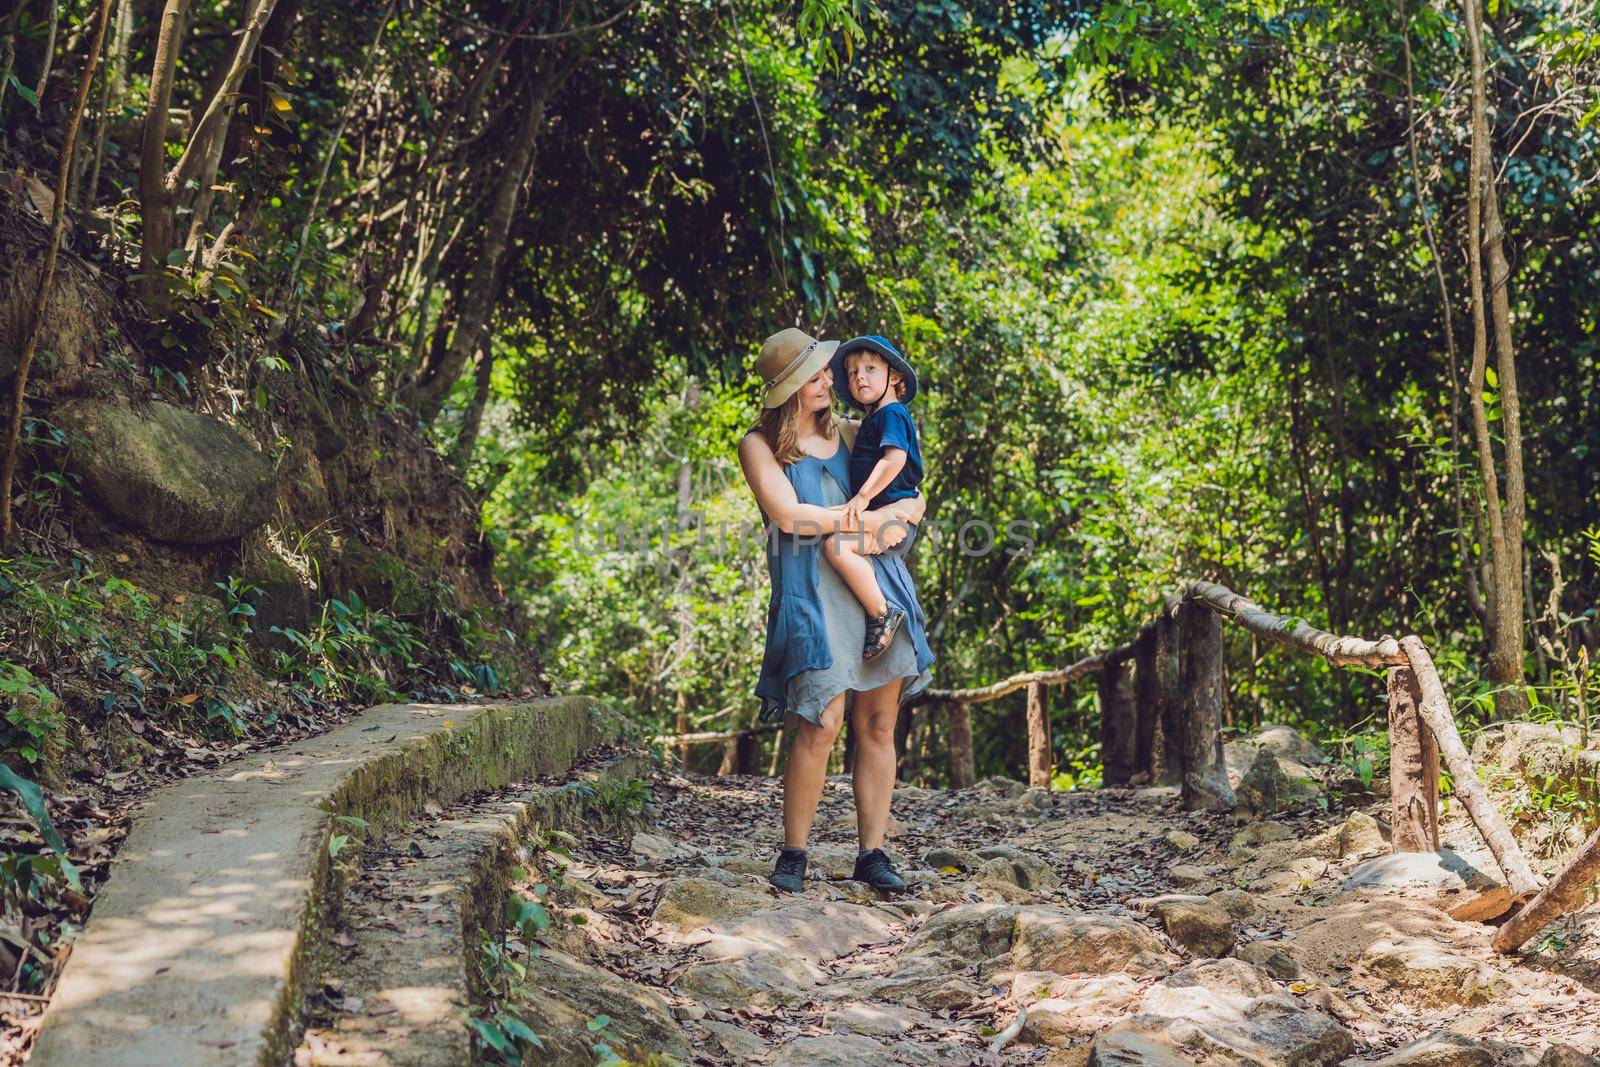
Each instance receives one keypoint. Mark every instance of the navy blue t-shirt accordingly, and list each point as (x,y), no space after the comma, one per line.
(888,427)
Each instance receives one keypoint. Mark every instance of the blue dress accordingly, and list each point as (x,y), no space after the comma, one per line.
(815,625)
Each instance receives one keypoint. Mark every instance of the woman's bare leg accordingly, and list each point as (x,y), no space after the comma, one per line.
(875,713)
(856,570)
(807,769)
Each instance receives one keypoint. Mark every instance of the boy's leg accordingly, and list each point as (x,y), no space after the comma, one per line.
(843,553)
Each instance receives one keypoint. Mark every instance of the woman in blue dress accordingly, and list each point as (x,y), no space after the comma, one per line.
(797,462)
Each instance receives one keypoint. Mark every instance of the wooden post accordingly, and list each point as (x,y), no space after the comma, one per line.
(1434,707)
(1146,703)
(1413,768)
(1566,892)
(958,733)
(1117,739)
(1041,755)
(1205,775)
(1170,771)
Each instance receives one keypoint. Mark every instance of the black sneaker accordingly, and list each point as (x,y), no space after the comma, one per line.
(789,874)
(873,867)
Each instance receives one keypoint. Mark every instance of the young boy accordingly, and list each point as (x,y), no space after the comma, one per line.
(885,465)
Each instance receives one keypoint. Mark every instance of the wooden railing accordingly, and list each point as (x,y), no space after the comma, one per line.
(1164,726)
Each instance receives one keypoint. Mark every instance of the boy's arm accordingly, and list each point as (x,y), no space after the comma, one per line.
(891,464)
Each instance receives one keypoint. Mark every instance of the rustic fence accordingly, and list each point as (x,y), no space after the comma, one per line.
(1162,700)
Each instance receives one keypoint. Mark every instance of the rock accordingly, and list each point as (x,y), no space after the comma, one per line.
(923,983)
(1237,903)
(875,1020)
(1294,878)
(1009,788)
(1434,975)
(1185,874)
(1036,800)
(1288,743)
(174,474)
(1264,789)
(690,903)
(815,931)
(1259,833)
(1567,1056)
(650,846)
(566,994)
(1276,958)
(998,891)
(766,979)
(1221,1012)
(1182,840)
(1061,1010)
(1439,1050)
(834,1050)
(958,858)
(1360,834)
(1024,870)
(1038,937)
(736,1041)
(1199,924)
(1444,871)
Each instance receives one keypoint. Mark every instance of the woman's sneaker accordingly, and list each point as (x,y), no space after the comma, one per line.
(873,867)
(789,874)
(881,630)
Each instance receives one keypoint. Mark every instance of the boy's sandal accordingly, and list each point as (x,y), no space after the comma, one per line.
(881,631)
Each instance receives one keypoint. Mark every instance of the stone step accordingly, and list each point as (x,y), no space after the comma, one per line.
(407,991)
(195,953)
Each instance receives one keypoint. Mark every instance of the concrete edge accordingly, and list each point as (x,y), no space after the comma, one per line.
(475,890)
(428,754)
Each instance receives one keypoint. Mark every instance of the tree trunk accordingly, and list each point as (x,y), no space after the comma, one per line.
(958,739)
(1146,703)
(1486,235)
(1205,775)
(683,606)
(1170,771)
(435,379)
(1413,768)
(1434,707)
(1041,755)
(156,200)
(1117,733)
(1568,891)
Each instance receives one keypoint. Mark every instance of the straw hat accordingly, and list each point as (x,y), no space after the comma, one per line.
(788,360)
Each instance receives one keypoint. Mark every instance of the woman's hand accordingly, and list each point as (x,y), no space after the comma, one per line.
(885,527)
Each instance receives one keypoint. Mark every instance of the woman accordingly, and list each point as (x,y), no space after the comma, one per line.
(797,464)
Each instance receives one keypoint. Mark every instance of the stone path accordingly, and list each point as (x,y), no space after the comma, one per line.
(1116,928)
(194,952)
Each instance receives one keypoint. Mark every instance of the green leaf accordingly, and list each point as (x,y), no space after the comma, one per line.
(514,1026)
(23,91)
(491,1035)
(336,844)
(599,1022)
(33,799)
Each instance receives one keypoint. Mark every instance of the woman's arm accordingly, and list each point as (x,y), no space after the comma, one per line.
(776,496)
(885,527)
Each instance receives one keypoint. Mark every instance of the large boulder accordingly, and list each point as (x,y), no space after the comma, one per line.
(1430,974)
(1038,937)
(1063,1010)
(1221,1012)
(177,475)
(690,903)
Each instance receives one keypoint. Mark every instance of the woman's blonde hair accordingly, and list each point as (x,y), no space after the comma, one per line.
(780,427)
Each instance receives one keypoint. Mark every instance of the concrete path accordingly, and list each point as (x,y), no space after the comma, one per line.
(195,950)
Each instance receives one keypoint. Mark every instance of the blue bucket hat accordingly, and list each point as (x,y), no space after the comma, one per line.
(880,346)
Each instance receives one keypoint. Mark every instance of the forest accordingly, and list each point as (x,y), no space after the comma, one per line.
(447,311)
